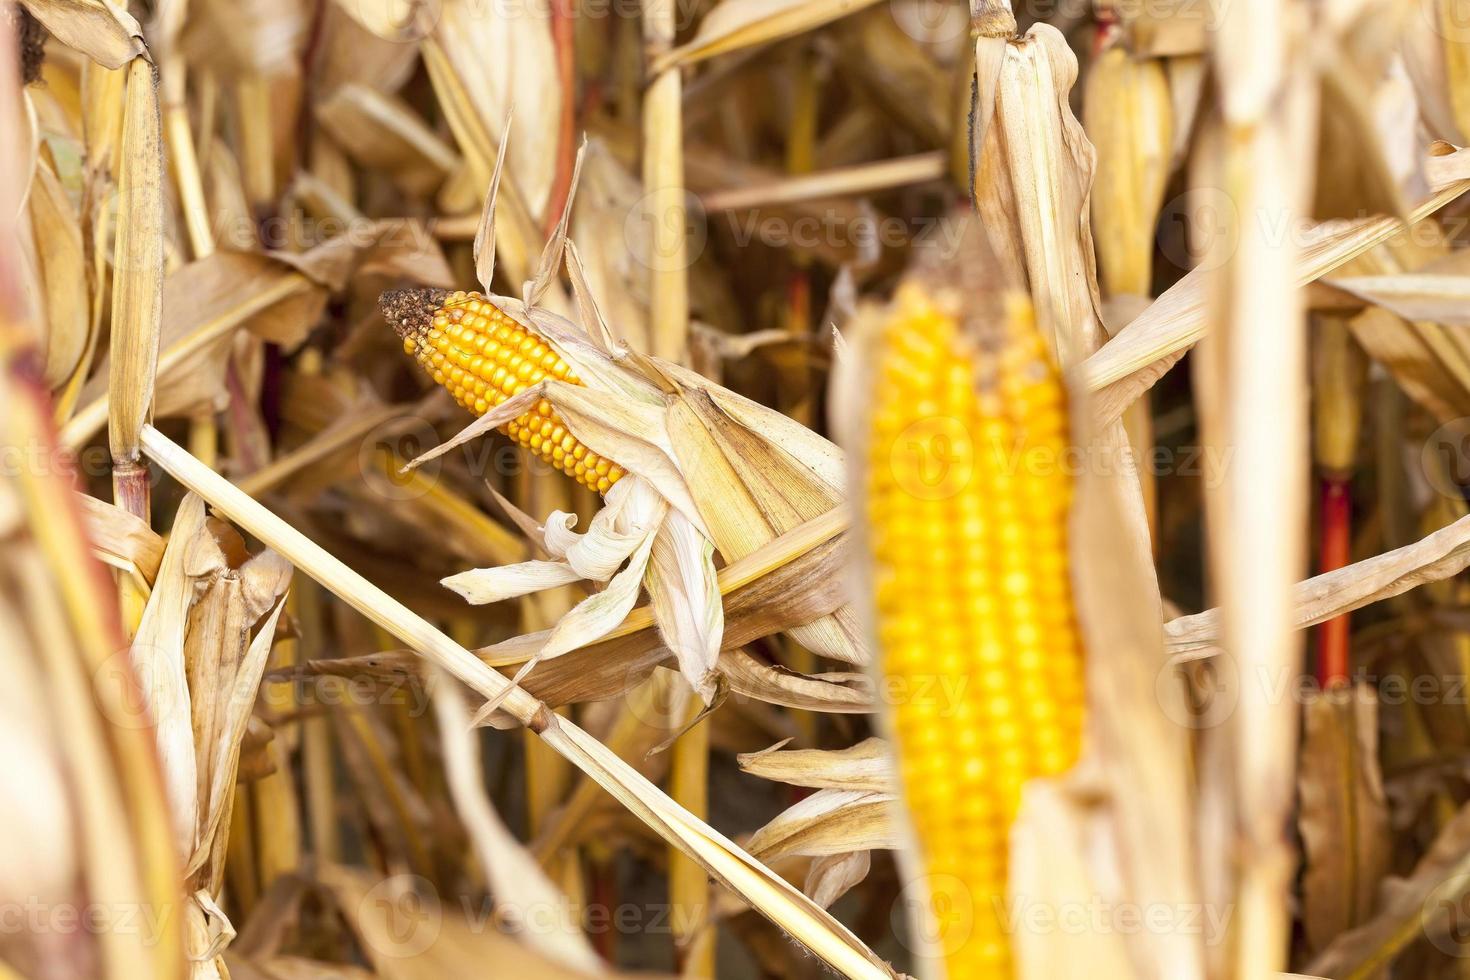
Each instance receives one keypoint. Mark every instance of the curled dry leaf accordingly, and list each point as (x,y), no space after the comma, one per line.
(1144,350)
(1344,815)
(830,821)
(102,30)
(1438,556)
(121,539)
(734,25)
(866,766)
(1424,905)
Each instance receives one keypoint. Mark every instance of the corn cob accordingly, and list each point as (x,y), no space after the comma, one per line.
(967,507)
(483,357)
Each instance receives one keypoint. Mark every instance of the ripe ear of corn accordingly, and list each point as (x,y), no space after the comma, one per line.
(483,357)
(967,504)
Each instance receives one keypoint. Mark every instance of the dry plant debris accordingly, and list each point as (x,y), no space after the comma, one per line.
(899,489)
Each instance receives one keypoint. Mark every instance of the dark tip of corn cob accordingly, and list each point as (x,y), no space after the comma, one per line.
(483,357)
(410,310)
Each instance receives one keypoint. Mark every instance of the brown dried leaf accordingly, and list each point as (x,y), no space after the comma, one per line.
(1429,904)
(381,132)
(867,766)
(1130,363)
(1343,816)
(830,821)
(101,30)
(737,24)
(1437,556)
(62,267)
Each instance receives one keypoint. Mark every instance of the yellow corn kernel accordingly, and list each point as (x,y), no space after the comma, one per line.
(483,357)
(967,504)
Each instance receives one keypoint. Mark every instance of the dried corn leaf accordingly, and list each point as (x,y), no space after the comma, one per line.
(524,896)
(62,268)
(830,821)
(774,684)
(1343,816)
(355,53)
(391,20)
(123,540)
(382,132)
(1143,351)
(505,61)
(1423,905)
(1447,164)
(408,933)
(1444,553)
(737,24)
(103,31)
(866,766)
(137,288)
(1414,296)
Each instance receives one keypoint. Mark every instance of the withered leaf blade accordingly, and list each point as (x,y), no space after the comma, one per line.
(1343,816)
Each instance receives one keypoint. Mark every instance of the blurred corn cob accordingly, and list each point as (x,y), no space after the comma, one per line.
(483,357)
(971,589)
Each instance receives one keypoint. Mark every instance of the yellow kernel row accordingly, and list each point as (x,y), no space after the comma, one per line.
(968,545)
(483,357)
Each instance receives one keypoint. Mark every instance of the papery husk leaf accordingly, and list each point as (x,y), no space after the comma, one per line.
(523,894)
(122,536)
(1437,556)
(733,25)
(1344,816)
(101,30)
(867,766)
(833,875)
(1421,905)
(685,596)
(479,586)
(63,273)
(830,821)
(1143,351)
(158,657)
(1037,218)
(1049,872)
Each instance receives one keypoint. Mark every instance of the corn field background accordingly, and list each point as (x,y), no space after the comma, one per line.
(734,488)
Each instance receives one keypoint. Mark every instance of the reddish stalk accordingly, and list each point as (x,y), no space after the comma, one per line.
(1332,636)
(563,36)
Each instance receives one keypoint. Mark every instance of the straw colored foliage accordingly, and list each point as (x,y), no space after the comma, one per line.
(734,487)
